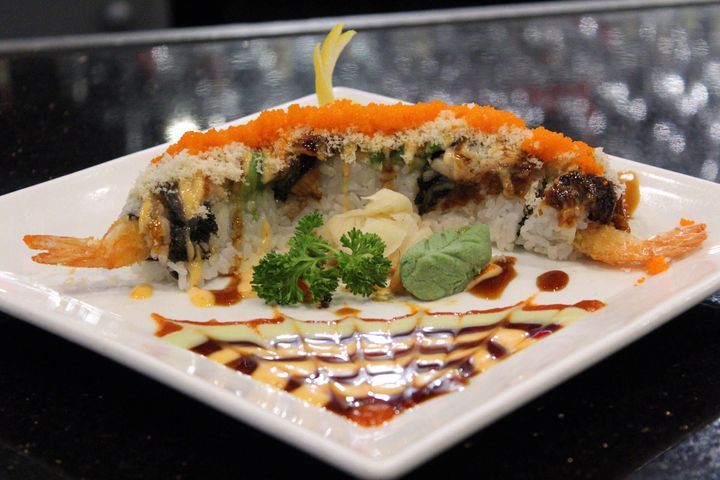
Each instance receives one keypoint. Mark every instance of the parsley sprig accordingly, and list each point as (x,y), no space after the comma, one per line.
(312,269)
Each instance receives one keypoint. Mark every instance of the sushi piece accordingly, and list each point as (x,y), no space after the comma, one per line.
(216,202)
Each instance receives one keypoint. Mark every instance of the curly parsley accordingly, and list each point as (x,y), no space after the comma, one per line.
(311,270)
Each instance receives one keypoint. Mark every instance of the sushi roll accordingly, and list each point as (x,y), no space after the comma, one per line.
(216,202)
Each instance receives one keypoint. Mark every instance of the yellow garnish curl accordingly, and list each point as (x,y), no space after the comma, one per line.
(324,59)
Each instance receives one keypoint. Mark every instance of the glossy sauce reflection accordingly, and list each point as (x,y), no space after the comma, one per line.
(552,281)
(141,292)
(632,190)
(492,288)
(370,370)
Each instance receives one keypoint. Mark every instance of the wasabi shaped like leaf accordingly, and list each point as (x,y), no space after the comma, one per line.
(445,262)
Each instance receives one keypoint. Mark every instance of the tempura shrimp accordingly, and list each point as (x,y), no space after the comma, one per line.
(122,245)
(616,247)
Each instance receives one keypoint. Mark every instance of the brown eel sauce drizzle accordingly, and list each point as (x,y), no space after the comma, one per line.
(493,287)
(229,295)
(370,370)
(552,281)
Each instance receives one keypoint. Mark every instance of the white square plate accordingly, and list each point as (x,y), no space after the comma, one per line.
(93,308)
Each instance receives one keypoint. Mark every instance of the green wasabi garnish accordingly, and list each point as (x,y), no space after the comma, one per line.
(444,263)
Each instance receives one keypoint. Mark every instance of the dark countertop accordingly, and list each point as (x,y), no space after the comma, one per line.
(643,83)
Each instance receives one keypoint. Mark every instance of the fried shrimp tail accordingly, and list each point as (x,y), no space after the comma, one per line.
(616,247)
(122,245)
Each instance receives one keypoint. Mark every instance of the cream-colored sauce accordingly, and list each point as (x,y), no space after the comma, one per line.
(313,394)
(153,224)
(388,176)
(192,193)
(141,292)
(410,150)
(237,228)
(226,355)
(354,358)
(189,247)
(266,237)
(195,272)
(346,186)
(632,190)
(201,298)
(144,214)
(270,374)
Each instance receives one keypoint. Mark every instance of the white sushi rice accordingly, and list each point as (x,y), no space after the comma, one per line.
(500,214)
(541,233)
(272,223)
(344,181)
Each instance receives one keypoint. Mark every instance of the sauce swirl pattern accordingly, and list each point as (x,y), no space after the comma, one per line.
(370,370)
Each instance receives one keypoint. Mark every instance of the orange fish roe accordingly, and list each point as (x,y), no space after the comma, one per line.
(684,222)
(640,281)
(550,147)
(656,265)
(342,116)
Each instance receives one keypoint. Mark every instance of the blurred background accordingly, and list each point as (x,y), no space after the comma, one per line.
(31,18)
(644,83)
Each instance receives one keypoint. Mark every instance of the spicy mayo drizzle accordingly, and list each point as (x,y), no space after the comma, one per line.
(141,292)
